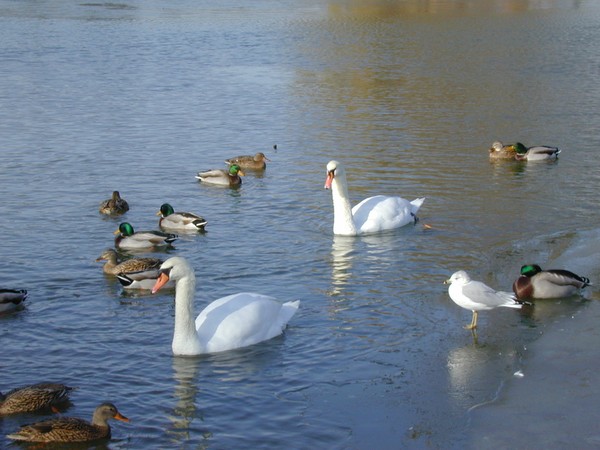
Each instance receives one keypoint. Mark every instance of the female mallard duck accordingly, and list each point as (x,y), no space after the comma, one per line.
(477,296)
(537,153)
(228,323)
(537,283)
(373,214)
(249,162)
(230,177)
(500,151)
(134,273)
(34,397)
(114,205)
(71,429)
(128,239)
(11,299)
(183,221)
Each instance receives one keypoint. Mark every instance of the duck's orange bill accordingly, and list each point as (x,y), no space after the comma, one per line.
(329,180)
(121,417)
(162,279)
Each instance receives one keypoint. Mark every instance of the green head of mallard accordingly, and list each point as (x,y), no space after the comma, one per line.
(125,229)
(234,170)
(520,148)
(166,210)
(530,270)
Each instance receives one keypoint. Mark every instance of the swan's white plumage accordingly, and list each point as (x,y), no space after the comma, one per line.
(373,214)
(231,322)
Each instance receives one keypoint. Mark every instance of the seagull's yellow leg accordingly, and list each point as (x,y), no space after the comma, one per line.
(473,324)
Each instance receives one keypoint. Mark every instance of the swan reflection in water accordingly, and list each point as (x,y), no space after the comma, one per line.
(186,389)
(342,256)
(203,382)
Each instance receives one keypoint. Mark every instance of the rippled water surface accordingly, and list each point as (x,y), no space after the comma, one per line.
(139,96)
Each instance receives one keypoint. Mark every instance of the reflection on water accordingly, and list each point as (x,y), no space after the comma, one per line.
(469,368)
(342,255)
(410,93)
(186,389)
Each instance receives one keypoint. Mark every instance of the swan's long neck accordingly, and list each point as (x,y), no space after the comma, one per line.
(185,337)
(343,222)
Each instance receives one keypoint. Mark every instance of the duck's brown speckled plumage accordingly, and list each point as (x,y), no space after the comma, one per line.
(249,162)
(555,283)
(34,397)
(114,205)
(114,267)
(500,151)
(70,429)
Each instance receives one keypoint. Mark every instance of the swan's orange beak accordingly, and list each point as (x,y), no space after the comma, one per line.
(121,417)
(329,180)
(162,279)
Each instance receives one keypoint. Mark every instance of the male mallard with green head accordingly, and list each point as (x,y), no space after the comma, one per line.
(537,153)
(537,283)
(128,239)
(229,177)
(182,221)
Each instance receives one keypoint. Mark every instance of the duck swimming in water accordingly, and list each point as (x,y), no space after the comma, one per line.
(556,283)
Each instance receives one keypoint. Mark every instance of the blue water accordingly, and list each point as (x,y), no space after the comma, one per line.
(139,96)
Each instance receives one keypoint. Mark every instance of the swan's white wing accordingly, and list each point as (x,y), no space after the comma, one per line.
(381,213)
(240,320)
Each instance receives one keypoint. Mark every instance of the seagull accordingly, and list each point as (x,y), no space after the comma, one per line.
(477,296)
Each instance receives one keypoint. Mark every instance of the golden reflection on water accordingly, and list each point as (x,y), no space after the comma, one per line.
(382,9)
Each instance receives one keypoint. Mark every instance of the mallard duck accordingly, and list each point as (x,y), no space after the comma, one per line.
(373,214)
(230,177)
(537,153)
(477,296)
(500,151)
(71,429)
(134,273)
(183,221)
(228,323)
(114,206)
(249,162)
(128,239)
(537,283)
(34,397)
(11,299)
(114,267)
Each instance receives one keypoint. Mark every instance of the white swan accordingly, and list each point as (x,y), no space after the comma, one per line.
(230,322)
(373,214)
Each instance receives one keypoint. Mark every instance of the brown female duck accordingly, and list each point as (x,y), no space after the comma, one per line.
(34,397)
(70,429)
(114,206)
(249,162)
